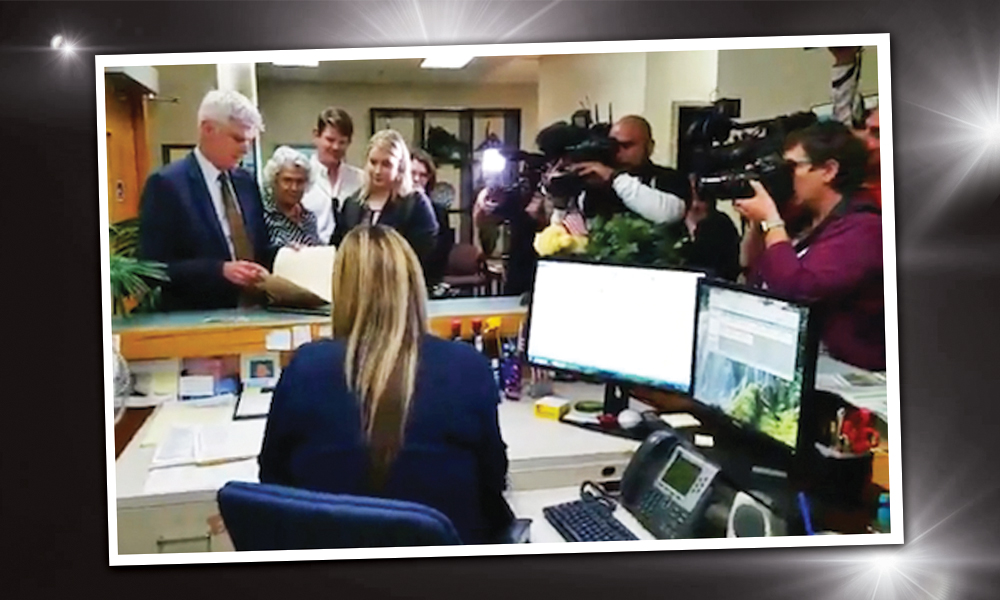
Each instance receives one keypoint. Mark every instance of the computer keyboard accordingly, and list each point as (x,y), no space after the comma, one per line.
(586,521)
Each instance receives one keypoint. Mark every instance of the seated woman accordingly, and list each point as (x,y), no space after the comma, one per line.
(424,179)
(835,262)
(387,197)
(385,408)
(710,240)
(286,178)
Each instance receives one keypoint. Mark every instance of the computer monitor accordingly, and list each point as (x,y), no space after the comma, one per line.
(620,324)
(755,359)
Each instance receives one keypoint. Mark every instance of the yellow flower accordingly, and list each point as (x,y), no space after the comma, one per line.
(554,239)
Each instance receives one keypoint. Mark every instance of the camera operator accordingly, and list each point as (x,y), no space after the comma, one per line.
(836,260)
(494,206)
(634,183)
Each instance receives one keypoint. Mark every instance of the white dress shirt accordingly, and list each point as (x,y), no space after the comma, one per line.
(319,198)
(647,201)
(211,174)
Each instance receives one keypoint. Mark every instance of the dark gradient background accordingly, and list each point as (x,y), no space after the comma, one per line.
(945,59)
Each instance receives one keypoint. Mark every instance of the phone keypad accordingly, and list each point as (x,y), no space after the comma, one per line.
(664,514)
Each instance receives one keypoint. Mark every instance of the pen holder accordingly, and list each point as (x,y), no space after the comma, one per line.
(839,478)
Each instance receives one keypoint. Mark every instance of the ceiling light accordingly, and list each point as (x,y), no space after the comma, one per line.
(446,61)
(295,63)
(58,41)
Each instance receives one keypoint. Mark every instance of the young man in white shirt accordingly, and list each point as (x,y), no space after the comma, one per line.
(333,179)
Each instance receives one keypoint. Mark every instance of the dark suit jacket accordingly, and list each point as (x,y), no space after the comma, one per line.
(178,226)
(452,459)
(412,216)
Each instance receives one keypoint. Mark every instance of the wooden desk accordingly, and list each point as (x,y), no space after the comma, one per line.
(230,332)
(226,332)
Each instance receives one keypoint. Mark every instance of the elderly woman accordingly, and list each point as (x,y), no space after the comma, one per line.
(286,178)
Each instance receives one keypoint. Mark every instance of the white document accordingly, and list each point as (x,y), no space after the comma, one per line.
(177,448)
(180,414)
(156,377)
(310,267)
(279,339)
(196,386)
(191,478)
(253,403)
(862,390)
(301,334)
(226,442)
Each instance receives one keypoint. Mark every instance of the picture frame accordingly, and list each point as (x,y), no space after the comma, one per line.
(260,370)
(174,152)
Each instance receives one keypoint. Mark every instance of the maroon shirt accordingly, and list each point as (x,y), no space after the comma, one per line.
(840,272)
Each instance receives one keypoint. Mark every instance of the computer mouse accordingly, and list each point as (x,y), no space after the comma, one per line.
(629,419)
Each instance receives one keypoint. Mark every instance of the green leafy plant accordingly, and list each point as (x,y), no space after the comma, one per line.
(629,239)
(131,277)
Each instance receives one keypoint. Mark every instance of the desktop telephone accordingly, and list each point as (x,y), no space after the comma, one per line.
(667,485)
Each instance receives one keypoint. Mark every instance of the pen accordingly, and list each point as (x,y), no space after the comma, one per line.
(804,509)
(838,440)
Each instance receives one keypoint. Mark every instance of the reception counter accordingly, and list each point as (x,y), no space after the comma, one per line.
(244,331)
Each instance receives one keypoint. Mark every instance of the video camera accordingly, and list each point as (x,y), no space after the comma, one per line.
(726,155)
(560,145)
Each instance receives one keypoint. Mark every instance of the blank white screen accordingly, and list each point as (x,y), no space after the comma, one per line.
(627,323)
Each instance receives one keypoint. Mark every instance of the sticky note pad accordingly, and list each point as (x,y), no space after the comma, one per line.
(550,407)
(704,441)
(680,420)
(279,339)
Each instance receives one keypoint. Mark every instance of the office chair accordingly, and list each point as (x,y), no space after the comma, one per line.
(274,517)
(467,269)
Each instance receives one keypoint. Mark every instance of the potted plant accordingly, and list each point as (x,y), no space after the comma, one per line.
(131,289)
(623,239)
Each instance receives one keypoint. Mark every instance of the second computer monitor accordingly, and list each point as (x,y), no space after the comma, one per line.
(619,323)
(755,359)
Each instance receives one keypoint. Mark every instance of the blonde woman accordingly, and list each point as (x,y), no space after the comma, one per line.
(388,197)
(385,408)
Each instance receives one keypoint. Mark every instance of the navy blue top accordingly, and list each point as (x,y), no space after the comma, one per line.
(452,458)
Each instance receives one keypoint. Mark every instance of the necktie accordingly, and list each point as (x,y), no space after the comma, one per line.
(242,248)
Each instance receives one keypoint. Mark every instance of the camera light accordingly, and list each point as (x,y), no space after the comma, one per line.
(493,161)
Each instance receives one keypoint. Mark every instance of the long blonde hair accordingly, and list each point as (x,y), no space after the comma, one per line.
(380,309)
(391,141)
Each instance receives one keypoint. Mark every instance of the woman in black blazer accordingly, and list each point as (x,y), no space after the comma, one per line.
(387,197)
(385,408)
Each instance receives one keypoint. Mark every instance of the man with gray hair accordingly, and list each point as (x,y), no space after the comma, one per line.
(203,217)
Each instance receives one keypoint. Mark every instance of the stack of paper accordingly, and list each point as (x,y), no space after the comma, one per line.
(862,389)
(253,403)
(209,444)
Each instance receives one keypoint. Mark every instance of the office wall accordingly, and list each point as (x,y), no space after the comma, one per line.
(777,81)
(675,79)
(177,123)
(290,108)
(566,82)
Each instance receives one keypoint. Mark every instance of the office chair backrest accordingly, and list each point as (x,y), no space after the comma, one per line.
(465,259)
(273,517)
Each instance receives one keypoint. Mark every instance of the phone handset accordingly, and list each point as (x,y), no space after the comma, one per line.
(666,485)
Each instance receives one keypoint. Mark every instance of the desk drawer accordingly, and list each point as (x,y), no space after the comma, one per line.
(170,529)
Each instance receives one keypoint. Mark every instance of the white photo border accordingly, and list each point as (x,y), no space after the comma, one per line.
(879,40)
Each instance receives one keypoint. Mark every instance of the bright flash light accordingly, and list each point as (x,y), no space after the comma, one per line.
(58,41)
(493,161)
(885,562)
(993,133)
